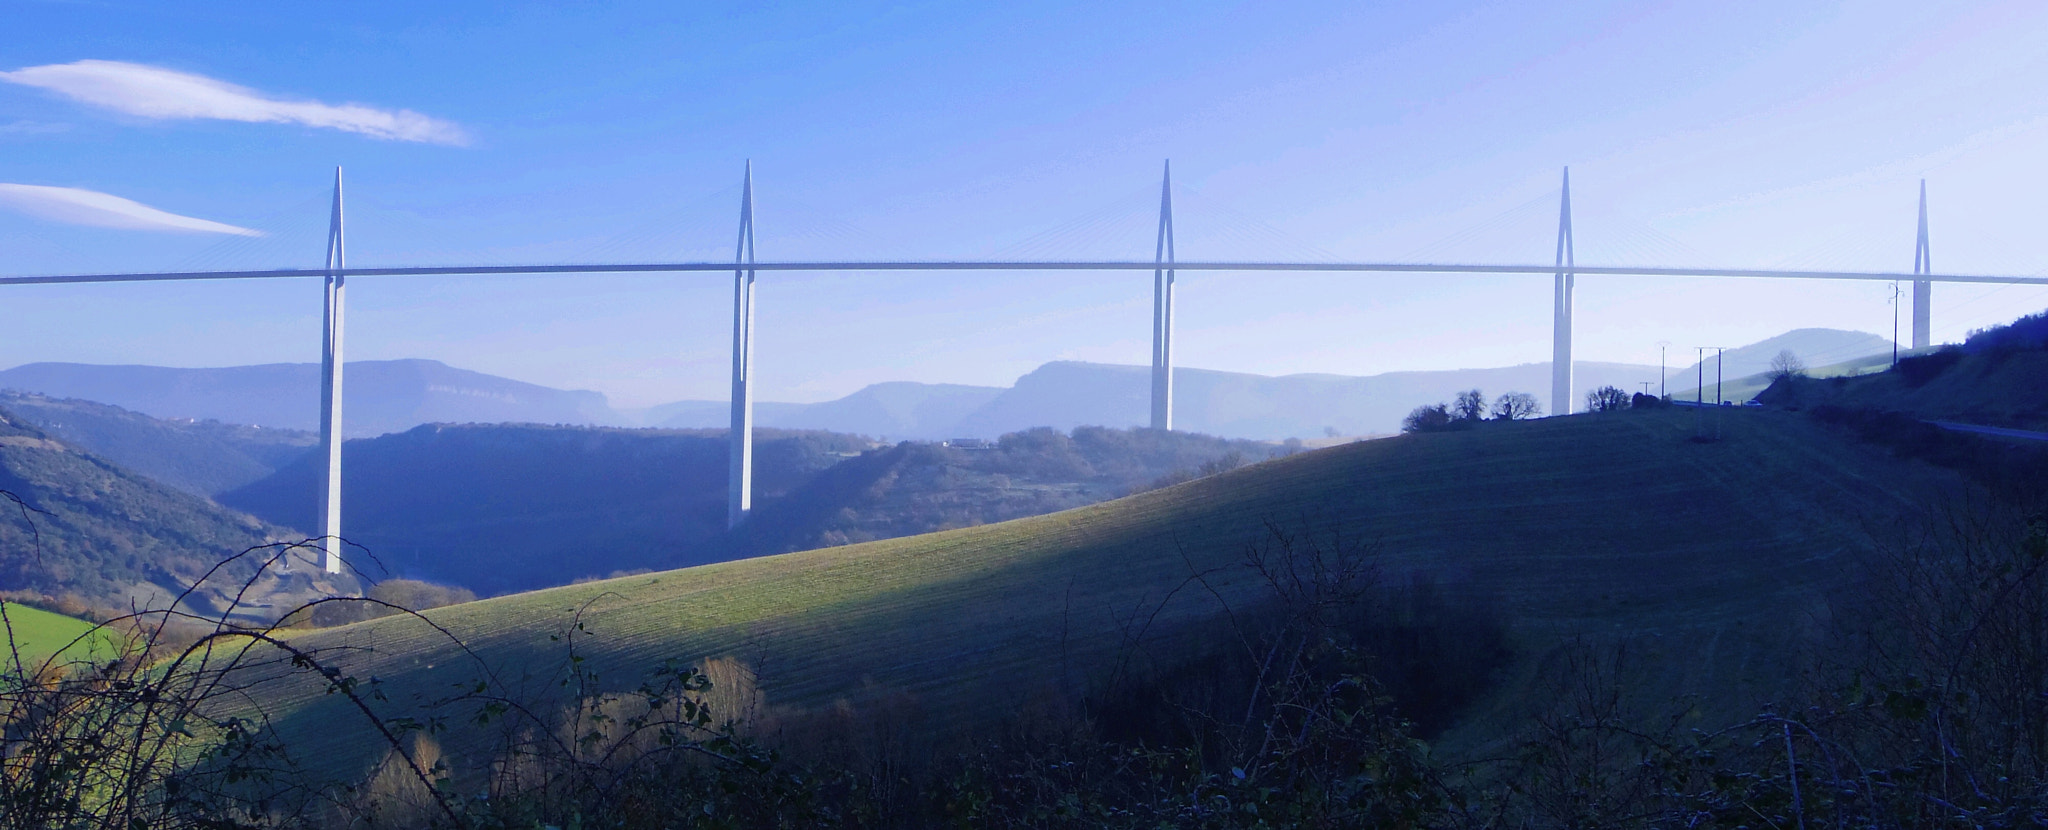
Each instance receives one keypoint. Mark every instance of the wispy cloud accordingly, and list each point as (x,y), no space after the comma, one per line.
(155,92)
(32,128)
(91,207)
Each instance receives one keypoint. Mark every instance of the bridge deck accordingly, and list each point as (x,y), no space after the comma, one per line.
(979,265)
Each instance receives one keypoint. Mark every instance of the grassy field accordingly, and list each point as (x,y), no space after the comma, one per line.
(1717,555)
(38,635)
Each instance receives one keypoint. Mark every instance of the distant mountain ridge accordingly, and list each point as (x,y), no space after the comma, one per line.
(396,395)
(1068,394)
(379,396)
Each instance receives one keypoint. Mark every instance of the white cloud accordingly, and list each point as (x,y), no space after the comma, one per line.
(91,207)
(154,92)
(32,128)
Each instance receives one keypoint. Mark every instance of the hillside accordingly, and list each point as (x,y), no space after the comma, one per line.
(200,457)
(2006,390)
(1612,525)
(497,508)
(1997,377)
(1813,347)
(915,488)
(379,396)
(1745,388)
(93,533)
(509,507)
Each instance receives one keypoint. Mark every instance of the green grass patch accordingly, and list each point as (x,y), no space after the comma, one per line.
(38,636)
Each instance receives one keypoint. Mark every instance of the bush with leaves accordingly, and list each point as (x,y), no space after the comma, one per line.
(1607,399)
(1429,418)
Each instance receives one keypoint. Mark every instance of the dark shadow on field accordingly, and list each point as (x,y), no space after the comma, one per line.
(1606,526)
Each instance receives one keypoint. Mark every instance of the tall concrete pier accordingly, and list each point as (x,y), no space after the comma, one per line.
(1162,310)
(1923,290)
(1561,310)
(330,387)
(740,484)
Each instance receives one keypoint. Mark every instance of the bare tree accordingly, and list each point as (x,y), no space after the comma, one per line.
(1516,406)
(1606,399)
(1787,365)
(1470,405)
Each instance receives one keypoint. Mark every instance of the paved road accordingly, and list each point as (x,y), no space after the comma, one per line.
(2002,432)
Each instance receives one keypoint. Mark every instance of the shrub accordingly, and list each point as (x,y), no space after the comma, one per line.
(1607,399)
(1428,418)
(1917,370)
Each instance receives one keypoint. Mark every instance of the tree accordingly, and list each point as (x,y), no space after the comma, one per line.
(1515,406)
(1787,365)
(1427,418)
(1607,399)
(1470,406)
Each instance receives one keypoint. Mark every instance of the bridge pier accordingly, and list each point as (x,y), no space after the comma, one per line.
(740,481)
(330,388)
(1162,310)
(1561,309)
(1923,290)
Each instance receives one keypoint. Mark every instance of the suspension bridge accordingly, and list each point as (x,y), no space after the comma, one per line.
(1164,266)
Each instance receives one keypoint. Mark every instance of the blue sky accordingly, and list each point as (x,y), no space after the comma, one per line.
(1726,133)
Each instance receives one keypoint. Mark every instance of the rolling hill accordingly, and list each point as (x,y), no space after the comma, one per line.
(1990,387)
(200,457)
(90,532)
(897,409)
(497,508)
(510,507)
(1813,347)
(1716,555)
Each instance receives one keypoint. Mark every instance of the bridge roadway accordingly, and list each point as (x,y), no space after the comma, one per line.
(1019,265)
(1163,268)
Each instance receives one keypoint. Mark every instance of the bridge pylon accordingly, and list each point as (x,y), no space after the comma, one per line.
(330,387)
(1923,290)
(1162,309)
(740,475)
(1561,402)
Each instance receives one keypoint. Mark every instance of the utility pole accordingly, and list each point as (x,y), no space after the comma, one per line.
(1719,401)
(740,474)
(1895,324)
(1699,392)
(330,388)
(1162,310)
(1663,391)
